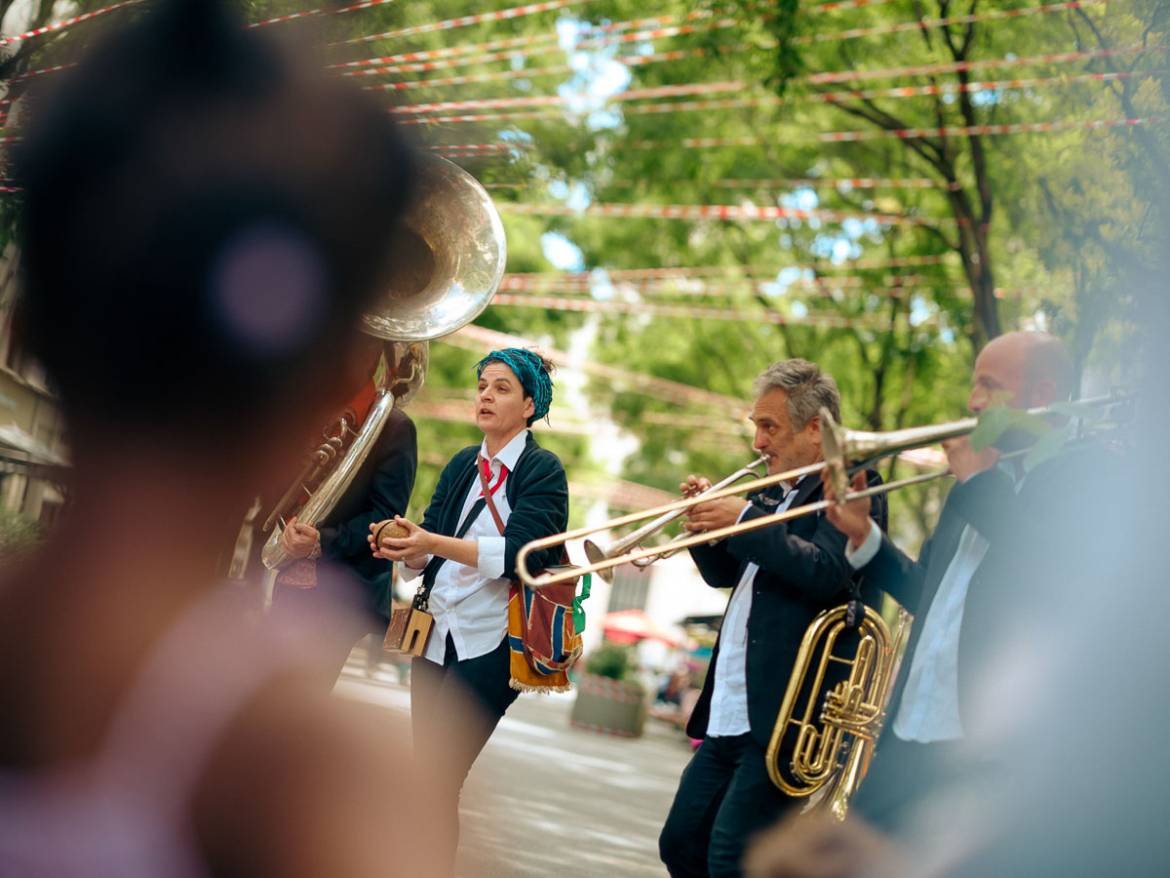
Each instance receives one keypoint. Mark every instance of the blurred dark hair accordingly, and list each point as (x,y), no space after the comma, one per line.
(205,217)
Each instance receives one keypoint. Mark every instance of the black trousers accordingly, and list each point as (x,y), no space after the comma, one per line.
(725,796)
(454,708)
(902,775)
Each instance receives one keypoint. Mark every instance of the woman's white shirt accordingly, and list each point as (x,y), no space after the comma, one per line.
(471,603)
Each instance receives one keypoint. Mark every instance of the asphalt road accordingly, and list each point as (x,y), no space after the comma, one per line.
(546,800)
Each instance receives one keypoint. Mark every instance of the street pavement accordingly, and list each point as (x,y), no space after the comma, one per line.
(546,799)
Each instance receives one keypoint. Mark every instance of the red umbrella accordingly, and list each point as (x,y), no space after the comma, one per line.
(630,626)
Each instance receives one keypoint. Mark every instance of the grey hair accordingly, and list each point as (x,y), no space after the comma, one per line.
(807,387)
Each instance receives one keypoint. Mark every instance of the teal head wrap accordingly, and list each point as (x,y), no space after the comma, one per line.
(529,368)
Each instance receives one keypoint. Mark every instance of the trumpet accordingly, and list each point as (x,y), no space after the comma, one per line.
(845,451)
(595,552)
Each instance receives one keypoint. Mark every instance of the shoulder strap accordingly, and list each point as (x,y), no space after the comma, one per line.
(422,596)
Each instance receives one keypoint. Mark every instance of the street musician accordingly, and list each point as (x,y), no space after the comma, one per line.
(783,576)
(348,595)
(957,586)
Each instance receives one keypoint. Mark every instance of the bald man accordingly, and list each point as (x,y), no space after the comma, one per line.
(956,588)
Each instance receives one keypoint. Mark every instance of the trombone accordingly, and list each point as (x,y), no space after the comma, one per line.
(845,451)
(595,552)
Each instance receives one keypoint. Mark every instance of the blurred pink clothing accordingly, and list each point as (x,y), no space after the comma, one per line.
(126,811)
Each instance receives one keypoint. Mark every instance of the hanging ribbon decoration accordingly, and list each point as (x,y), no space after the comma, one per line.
(634,109)
(690,312)
(467,20)
(906,133)
(539,44)
(732,212)
(67,23)
(521,41)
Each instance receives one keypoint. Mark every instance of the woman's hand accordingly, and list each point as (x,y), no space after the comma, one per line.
(413,548)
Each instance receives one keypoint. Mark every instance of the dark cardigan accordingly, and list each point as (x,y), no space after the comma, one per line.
(538,495)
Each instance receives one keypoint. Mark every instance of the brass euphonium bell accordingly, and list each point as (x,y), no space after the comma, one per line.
(827,751)
(448,259)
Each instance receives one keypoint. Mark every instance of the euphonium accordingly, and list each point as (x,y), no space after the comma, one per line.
(827,729)
(449,259)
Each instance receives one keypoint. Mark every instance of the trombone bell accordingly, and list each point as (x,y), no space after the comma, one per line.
(596,554)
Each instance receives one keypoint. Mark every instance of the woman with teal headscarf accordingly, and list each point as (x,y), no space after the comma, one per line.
(467,561)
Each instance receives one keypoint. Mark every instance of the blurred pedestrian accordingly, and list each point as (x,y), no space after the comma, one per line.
(205,218)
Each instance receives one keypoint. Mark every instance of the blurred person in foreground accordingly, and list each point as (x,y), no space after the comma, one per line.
(205,218)
(783,576)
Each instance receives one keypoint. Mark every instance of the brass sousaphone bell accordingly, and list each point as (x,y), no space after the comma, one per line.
(448,259)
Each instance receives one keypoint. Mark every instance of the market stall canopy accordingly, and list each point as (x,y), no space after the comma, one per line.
(631,626)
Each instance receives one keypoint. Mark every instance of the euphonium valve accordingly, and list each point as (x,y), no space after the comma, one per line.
(827,729)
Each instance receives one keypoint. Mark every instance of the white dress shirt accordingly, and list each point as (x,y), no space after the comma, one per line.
(929,710)
(729,707)
(471,603)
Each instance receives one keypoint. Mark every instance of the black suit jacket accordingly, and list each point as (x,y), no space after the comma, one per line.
(380,489)
(538,495)
(802,571)
(1036,536)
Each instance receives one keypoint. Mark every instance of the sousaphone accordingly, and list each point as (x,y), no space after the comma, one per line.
(447,265)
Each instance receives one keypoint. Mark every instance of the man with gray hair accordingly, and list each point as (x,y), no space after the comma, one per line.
(783,576)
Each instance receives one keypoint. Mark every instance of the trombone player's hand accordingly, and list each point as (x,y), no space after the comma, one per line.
(852,517)
(694,485)
(712,515)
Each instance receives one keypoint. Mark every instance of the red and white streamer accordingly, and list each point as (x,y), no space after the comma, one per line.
(521,41)
(730,212)
(906,133)
(985,64)
(512,55)
(814,80)
(836,97)
(531,72)
(932,23)
(33,74)
(676,272)
(313,13)
(840,5)
(541,47)
(986,130)
(690,312)
(474,149)
(909,91)
(467,20)
(894,285)
(556,100)
(67,23)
